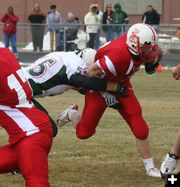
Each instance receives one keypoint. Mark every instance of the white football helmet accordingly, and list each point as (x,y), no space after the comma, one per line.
(87,54)
(142,41)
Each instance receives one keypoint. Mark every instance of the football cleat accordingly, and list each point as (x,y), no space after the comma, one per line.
(64,116)
(168,164)
(153,172)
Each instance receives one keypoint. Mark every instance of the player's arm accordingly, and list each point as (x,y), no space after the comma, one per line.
(96,84)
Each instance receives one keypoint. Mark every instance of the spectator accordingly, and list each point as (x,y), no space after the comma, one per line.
(107,19)
(71,26)
(97,37)
(37,18)
(92,22)
(119,18)
(9,29)
(54,20)
(151,17)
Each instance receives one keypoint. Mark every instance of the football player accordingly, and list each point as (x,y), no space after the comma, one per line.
(118,61)
(57,72)
(170,160)
(29,129)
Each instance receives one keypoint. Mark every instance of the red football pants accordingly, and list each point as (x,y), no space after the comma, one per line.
(30,156)
(95,106)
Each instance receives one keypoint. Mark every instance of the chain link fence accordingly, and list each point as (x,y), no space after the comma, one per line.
(69,37)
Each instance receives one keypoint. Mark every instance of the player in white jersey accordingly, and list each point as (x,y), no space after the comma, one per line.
(57,72)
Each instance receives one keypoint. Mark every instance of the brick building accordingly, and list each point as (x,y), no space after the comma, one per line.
(167,8)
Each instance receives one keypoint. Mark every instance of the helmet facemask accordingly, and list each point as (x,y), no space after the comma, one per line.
(148,53)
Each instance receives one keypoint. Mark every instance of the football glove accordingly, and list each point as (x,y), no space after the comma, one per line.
(121,90)
(82,91)
(111,101)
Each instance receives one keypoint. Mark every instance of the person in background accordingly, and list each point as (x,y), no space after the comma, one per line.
(119,18)
(169,163)
(97,37)
(72,26)
(54,20)
(107,19)
(9,29)
(37,18)
(92,22)
(151,17)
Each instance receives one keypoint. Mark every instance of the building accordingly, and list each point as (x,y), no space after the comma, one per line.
(167,8)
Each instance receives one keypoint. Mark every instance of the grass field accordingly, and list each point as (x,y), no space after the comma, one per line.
(110,157)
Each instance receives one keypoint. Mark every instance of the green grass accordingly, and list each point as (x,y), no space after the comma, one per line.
(110,157)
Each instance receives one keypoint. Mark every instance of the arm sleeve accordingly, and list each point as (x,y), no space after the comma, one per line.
(92,83)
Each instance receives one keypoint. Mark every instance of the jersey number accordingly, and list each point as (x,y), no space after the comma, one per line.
(13,83)
(41,68)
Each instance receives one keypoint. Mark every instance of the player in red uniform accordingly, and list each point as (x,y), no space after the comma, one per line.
(29,129)
(118,61)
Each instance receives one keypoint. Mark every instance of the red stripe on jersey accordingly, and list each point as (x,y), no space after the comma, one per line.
(23,122)
(102,63)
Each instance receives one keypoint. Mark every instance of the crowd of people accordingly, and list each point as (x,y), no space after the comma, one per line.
(111,23)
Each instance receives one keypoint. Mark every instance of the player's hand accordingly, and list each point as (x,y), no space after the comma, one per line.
(82,91)
(111,100)
(121,90)
(176,73)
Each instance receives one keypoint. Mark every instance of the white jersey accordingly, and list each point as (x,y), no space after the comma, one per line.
(53,71)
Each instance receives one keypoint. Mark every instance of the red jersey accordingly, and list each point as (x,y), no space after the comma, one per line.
(10,22)
(17,114)
(116,61)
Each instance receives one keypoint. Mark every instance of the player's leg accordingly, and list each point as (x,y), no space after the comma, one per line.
(132,113)
(53,124)
(169,162)
(32,153)
(86,124)
(93,110)
(8,159)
